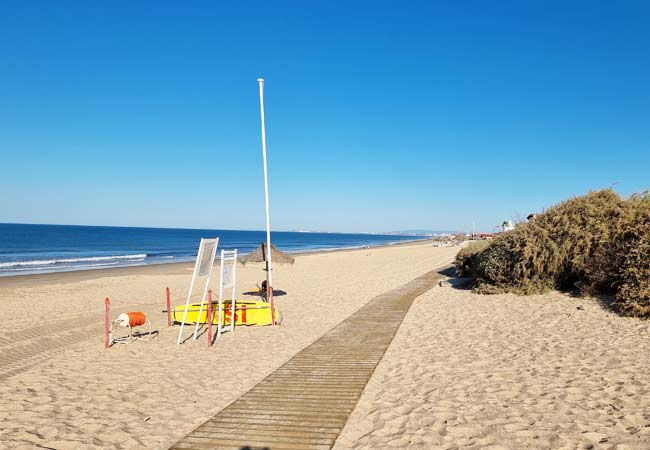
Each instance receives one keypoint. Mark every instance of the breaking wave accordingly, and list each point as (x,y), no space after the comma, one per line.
(16,265)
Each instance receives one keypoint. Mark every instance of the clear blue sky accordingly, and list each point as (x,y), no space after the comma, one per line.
(380,116)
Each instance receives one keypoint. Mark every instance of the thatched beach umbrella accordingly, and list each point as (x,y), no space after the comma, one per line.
(259,255)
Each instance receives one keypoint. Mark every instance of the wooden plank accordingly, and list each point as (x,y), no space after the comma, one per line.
(305,403)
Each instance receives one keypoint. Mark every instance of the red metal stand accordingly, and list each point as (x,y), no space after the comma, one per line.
(107,304)
(169,308)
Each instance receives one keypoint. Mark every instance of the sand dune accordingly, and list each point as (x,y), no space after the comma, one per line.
(60,388)
(507,372)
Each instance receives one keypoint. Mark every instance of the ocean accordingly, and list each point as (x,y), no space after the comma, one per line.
(30,249)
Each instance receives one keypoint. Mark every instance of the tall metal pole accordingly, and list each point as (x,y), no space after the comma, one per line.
(269,268)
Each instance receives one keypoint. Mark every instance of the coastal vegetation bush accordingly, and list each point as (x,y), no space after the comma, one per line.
(466,258)
(596,243)
(523,260)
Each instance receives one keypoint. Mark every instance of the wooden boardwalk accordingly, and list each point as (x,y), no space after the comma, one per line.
(305,403)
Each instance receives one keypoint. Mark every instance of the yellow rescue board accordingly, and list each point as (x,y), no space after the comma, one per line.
(247,312)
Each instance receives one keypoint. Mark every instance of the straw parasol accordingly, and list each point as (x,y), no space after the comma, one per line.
(259,255)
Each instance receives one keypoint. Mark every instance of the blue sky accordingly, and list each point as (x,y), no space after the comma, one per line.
(380,115)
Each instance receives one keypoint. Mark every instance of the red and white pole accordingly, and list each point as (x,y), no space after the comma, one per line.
(107,339)
(209,318)
(169,307)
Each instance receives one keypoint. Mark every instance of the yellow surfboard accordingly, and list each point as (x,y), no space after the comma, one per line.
(247,312)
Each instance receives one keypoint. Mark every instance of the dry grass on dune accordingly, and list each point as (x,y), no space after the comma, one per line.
(599,243)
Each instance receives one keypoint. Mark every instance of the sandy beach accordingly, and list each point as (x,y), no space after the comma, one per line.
(62,390)
(506,372)
(464,370)
(447,201)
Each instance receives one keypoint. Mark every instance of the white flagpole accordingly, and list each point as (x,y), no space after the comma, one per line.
(266,198)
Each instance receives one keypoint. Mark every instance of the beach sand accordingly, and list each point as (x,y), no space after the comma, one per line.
(506,372)
(61,389)
(464,371)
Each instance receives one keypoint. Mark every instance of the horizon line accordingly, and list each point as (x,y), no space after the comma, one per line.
(383,233)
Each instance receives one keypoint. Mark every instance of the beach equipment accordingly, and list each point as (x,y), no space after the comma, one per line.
(202,271)
(259,255)
(226,313)
(107,332)
(227,280)
(209,317)
(168,296)
(128,320)
(269,265)
(245,312)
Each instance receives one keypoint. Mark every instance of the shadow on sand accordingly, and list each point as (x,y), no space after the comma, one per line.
(605,301)
(276,293)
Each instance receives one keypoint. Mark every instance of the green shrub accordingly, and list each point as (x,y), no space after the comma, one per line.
(607,267)
(633,296)
(466,258)
(524,260)
(599,243)
(631,254)
(580,227)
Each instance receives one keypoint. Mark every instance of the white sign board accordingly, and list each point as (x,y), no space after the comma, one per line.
(206,259)
(202,269)
(228,281)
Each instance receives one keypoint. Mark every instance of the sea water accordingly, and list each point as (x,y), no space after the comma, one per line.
(29,249)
